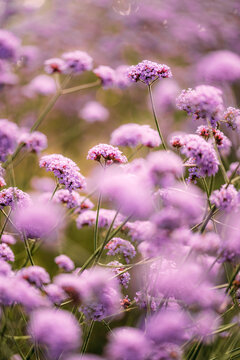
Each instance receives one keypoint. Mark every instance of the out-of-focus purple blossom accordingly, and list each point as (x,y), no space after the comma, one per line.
(77,62)
(127,343)
(70,199)
(222,141)
(121,77)
(232,118)
(133,135)
(54,65)
(6,253)
(165,94)
(85,204)
(67,172)
(7,77)
(9,133)
(106,75)
(109,153)
(177,141)
(34,142)
(9,45)
(93,112)
(145,301)
(8,239)
(140,230)
(166,351)
(117,268)
(43,184)
(58,330)
(148,71)
(64,262)
(35,275)
(5,268)
(208,243)
(88,218)
(30,56)
(55,294)
(14,197)
(84,357)
(222,65)
(205,324)
(164,167)
(227,198)
(121,246)
(41,85)
(204,102)
(233,168)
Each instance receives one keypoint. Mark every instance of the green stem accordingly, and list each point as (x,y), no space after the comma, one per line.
(86,341)
(54,191)
(155,117)
(28,249)
(96,224)
(81,87)
(207,219)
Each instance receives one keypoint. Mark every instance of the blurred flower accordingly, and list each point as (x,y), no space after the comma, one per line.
(41,85)
(120,246)
(54,65)
(64,262)
(6,253)
(9,133)
(9,45)
(8,239)
(232,118)
(227,198)
(93,112)
(34,142)
(77,62)
(35,275)
(117,269)
(14,197)
(106,75)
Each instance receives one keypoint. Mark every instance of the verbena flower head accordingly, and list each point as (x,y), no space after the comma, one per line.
(221,140)
(66,171)
(55,294)
(34,142)
(8,239)
(64,262)
(14,197)
(9,45)
(176,141)
(85,204)
(204,102)
(93,112)
(117,268)
(127,343)
(233,168)
(6,253)
(35,275)
(227,198)
(54,65)
(232,118)
(58,330)
(148,71)
(121,246)
(70,199)
(77,62)
(5,268)
(133,135)
(41,85)
(9,133)
(106,75)
(108,153)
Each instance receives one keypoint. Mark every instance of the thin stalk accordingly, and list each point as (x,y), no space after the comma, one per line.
(96,224)
(233,277)
(207,219)
(155,117)
(86,341)
(26,244)
(54,191)
(81,87)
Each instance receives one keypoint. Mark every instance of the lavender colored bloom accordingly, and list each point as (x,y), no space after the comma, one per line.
(5,268)
(64,262)
(86,218)
(70,199)
(41,85)
(222,142)
(58,330)
(9,45)
(165,93)
(232,118)
(227,198)
(55,294)
(85,204)
(121,77)
(127,343)
(166,351)
(9,133)
(202,155)
(205,244)
(34,142)
(121,246)
(35,275)
(233,168)
(141,230)
(54,65)
(148,71)
(77,62)
(6,75)
(204,102)
(133,135)
(67,172)
(145,300)
(93,112)
(109,153)
(163,167)
(8,239)
(176,141)
(6,253)
(14,197)
(117,268)
(84,357)
(106,75)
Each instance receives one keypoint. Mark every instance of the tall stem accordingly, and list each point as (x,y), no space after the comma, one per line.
(96,224)
(155,117)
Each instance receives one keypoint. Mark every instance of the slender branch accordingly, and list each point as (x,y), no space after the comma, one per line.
(81,87)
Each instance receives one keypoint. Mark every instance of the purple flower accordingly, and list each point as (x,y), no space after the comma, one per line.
(122,80)
(6,253)
(86,218)
(140,230)
(55,294)
(227,198)
(34,142)
(233,168)
(117,268)
(41,85)
(85,204)
(148,71)
(14,197)
(9,133)
(222,142)
(54,65)
(109,153)
(58,330)
(70,199)
(35,275)
(67,172)
(93,112)
(232,118)
(9,45)
(204,102)
(8,239)
(5,268)
(77,62)
(106,75)
(133,135)
(127,343)
(64,262)
(121,246)
(176,141)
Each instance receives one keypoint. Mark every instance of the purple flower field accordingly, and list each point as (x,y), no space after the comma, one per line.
(119,180)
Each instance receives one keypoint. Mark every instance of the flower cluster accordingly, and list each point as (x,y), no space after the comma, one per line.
(109,153)
(148,71)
